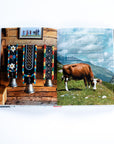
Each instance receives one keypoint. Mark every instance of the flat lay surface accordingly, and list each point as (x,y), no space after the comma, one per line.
(66,124)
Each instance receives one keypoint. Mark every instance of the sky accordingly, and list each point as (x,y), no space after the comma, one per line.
(94,45)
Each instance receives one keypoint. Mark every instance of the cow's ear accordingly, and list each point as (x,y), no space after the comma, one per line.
(99,80)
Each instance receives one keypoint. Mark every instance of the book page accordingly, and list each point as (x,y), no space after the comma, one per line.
(85,62)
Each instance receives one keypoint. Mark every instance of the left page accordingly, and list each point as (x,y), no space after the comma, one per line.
(28,66)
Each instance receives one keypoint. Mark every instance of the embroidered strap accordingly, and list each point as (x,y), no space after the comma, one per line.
(12,65)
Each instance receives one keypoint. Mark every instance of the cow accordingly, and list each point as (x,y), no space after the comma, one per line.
(79,71)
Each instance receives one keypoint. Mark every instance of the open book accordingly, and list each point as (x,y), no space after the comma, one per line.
(67,66)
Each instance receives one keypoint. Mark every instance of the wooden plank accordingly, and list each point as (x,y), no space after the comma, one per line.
(13,33)
(21,93)
(30,100)
(37,89)
(49,37)
(12,29)
(3,95)
(50,34)
(1,98)
(49,29)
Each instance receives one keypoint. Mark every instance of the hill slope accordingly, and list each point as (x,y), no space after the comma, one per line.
(98,71)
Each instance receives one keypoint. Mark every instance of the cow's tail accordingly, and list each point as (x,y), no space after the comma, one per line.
(91,73)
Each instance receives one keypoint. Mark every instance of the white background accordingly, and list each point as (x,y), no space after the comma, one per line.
(47,124)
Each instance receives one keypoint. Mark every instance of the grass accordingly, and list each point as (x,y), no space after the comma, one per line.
(79,95)
(109,86)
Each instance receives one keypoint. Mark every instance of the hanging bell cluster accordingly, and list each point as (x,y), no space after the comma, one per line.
(29,66)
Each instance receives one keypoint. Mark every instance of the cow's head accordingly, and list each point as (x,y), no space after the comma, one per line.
(94,82)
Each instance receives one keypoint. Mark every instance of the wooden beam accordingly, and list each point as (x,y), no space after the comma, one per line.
(20,47)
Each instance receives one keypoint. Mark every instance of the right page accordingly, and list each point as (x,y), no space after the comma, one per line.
(85,66)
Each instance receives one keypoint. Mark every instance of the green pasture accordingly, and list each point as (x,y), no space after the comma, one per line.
(79,95)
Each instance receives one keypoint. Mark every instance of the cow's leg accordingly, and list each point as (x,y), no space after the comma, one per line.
(89,83)
(62,77)
(85,81)
(66,86)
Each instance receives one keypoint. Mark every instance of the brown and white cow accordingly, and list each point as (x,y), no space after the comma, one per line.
(79,71)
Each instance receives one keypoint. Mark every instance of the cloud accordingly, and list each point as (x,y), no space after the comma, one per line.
(101,60)
(94,45)
(105,53)
(62,52)
(80,51)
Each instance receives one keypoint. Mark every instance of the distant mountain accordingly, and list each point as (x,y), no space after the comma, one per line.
(98,71)
(112,80)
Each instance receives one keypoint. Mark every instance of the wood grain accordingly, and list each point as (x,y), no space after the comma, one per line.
(30,100)
(37,89)
(3,95)
(21,93)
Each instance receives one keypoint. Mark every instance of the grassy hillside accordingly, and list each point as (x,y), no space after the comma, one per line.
(79,95)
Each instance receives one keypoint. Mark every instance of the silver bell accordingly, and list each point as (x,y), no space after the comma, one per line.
(12,82)
(48,83)
(29,88)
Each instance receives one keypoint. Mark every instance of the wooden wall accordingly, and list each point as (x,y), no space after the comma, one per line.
(10,36)
(17,95)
